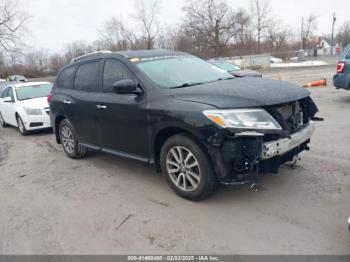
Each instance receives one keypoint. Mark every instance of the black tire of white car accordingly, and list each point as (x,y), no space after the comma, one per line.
(178,158)
(21,128)
(2,122)
(70,142)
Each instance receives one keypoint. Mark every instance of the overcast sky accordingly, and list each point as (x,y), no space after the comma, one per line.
(55,23)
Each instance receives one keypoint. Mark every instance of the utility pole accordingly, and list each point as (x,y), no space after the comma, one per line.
(332,40)
(302,33)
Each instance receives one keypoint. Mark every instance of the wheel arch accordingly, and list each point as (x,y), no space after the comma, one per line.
(57,123)
(164,134)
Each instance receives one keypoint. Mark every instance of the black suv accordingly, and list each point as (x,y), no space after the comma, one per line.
(195,122)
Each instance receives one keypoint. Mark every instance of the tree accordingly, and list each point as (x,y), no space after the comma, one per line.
(12,22)
(308,25)
(211,22)
(343,35)
(147,14)
(115,36)
(75,49)
(36,63)
(278,35)
(260,16)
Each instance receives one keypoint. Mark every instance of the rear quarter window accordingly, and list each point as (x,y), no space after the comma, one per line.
(65,79)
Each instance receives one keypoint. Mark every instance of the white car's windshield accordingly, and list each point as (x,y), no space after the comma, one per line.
(33,91)
(181,71)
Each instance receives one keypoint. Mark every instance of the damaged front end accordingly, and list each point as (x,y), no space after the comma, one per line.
(240,156)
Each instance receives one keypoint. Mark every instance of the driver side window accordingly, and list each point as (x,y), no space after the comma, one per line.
(114,71)
(7,93)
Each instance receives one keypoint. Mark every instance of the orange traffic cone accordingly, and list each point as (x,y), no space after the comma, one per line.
(322,82)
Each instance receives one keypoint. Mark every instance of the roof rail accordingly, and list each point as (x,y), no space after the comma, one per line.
(91,55)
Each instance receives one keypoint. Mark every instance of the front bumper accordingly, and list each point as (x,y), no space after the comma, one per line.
(283,146)
(36,122)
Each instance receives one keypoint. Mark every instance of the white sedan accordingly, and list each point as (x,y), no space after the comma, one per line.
(24,105)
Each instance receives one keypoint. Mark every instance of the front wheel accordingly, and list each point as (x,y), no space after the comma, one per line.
(187,167)
(69,141)
(21,127)
(2,121)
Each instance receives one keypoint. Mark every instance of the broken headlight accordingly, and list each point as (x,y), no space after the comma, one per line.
(244,119)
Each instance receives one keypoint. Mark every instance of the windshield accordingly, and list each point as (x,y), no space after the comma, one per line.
(33,91)
(226,66)
(181,71)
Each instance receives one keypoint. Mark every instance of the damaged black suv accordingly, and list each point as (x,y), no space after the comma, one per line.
(195,122)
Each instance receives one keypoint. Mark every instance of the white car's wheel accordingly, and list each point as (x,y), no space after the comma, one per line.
(21,127)
(2,121)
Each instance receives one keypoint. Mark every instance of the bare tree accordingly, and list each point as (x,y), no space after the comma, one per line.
(279,35)
(37,63)
(147,14)
(211,22)
(76,49)
(343,35)
(309,24)
(260,16)
(115,36)
(11,22)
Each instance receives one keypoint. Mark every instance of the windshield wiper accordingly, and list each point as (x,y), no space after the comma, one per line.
(187,85)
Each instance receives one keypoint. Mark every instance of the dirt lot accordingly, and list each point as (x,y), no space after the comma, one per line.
(107,205)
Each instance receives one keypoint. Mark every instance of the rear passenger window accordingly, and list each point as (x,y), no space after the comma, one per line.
(114,71)
(65,79)
(86,78)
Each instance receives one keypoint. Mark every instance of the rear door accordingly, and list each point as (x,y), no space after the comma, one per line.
(122,120)
(80,101)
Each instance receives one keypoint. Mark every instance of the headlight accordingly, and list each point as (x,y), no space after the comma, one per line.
(246,119)
(30,111)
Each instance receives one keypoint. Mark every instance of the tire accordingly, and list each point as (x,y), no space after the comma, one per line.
(2,122)
(70,142)
(21,128)
(191,175)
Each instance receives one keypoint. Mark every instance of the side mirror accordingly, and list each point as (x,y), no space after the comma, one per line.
(8,100)
(125,87)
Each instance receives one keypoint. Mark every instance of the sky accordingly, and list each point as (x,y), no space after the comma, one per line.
(55,23)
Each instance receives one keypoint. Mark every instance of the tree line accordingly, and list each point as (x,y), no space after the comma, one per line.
(209,28)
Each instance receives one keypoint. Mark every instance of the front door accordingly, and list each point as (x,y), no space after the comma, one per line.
(122,118)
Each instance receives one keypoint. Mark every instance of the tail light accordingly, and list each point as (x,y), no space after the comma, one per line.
(340,67)
(49,97)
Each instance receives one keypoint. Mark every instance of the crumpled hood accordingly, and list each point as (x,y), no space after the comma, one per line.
(242,92)
(35,103)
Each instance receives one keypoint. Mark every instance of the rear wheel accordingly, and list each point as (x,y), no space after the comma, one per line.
(70,142)
(187,167)
(2,122)
(21,127)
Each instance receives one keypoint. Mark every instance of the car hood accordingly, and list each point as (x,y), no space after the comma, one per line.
(246,73)
(242,92)
(35,103)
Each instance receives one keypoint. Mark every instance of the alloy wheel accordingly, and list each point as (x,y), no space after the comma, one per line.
(183,168)
(21,125)
(2,122)
(67,139)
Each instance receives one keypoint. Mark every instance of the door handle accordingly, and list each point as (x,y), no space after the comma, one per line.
(68,102)
(102,107)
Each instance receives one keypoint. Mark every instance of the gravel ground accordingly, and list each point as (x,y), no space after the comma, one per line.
(107,205)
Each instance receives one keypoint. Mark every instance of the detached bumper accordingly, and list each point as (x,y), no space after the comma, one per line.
(283,146)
